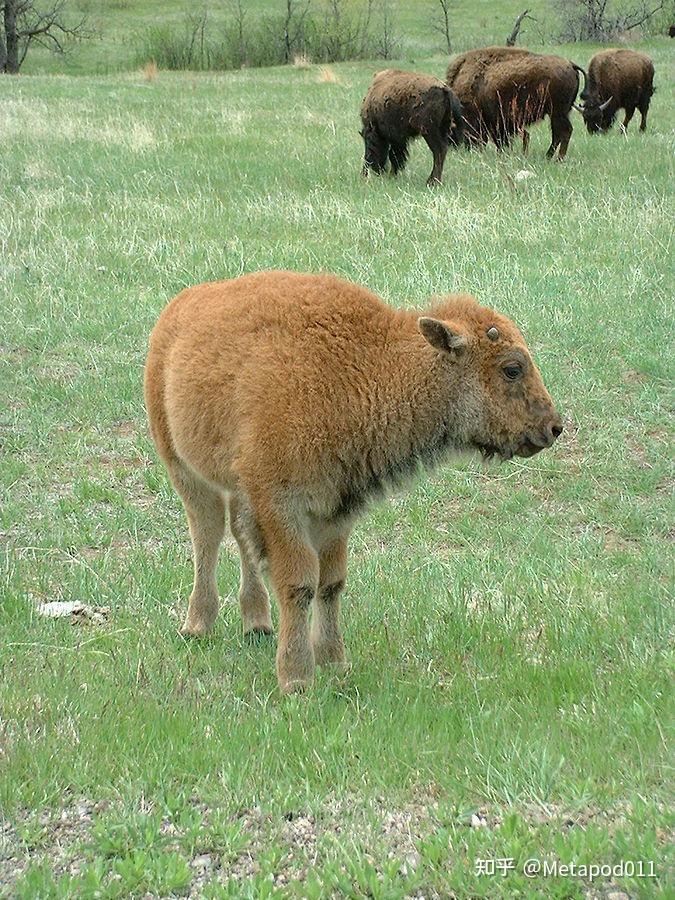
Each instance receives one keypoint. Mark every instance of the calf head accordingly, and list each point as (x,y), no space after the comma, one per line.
(503,407)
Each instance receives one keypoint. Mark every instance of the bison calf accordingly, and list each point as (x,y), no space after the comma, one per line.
(404,105)
(617,79)
(295,400)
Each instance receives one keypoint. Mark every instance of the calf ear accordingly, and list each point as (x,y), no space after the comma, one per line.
(441,336)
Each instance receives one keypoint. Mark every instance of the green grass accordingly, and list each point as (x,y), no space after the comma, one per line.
(507,626)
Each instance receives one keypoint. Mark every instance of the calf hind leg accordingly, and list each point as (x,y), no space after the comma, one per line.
(254,600)
(327,640)
(205,508)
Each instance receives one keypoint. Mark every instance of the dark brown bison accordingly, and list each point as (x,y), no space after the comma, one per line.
(617,79)
(671,31)
(504,89)
(404,105)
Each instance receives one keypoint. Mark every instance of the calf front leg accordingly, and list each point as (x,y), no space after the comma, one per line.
(294,572)
(327,641)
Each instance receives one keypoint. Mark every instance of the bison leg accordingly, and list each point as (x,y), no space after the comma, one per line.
(398,156)
(205,508)
(439,147)
(526,141)
(376,150)
(644,109)
(254,601)
(561,132)
(630,112)
(327,639)
(294,572)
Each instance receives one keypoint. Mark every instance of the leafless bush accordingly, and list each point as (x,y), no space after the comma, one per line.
(332,31)
(601,20)
(440,22)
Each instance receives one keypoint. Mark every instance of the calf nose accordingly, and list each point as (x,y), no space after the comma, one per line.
(552,431)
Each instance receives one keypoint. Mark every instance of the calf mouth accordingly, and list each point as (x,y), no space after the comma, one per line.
(525,449)
(528,448)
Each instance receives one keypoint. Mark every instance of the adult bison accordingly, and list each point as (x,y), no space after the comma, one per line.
(503,90)
(400,106)
(617,79)
(296,400)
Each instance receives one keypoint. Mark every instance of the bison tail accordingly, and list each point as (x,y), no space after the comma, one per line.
(579,69)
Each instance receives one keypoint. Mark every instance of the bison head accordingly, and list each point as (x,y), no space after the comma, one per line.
(598,117)
(503,408)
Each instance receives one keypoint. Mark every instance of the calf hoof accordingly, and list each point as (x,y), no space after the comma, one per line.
(195,629)
(295,673)
(330,655)
(258,632)
(294,686)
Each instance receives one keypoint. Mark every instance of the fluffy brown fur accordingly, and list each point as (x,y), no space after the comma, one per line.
(617,79)
(503,90)
(400,106)
(296,399)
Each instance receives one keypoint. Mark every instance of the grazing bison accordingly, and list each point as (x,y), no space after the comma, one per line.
(404,105)
(617,79)
(296,399)
(503,90)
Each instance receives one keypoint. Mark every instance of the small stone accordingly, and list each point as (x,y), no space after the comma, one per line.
(478,821)
(410,864)
(202,862)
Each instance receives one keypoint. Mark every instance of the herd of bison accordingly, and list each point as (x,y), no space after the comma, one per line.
(495,93)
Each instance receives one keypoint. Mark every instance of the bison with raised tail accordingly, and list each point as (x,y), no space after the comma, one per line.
(297,399)
(503,90)
(617,79)
(400,106)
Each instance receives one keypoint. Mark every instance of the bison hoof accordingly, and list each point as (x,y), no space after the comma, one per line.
(258,631)
(195,629)
(296,686)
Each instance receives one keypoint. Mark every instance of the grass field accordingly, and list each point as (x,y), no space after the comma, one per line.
(508,625)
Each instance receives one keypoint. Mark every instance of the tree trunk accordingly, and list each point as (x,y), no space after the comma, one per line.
(11,38)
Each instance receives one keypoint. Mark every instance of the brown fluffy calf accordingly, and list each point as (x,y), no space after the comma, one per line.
(296,399)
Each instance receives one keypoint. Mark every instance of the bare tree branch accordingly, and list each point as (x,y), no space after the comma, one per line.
(443,25)
(25,22)
(515,31)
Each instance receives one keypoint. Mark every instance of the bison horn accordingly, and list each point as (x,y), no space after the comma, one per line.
(578,108)
(493,333)
(606,103)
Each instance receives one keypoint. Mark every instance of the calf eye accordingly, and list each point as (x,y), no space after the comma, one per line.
(513,371)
